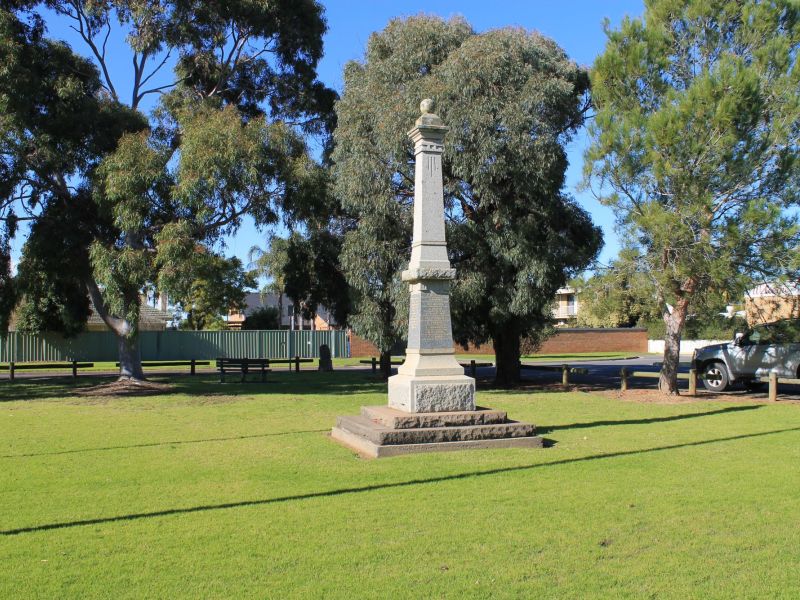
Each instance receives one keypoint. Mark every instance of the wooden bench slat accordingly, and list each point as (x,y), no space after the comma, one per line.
(283,361)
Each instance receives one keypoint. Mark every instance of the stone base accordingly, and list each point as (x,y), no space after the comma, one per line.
(431,394)
(383,431)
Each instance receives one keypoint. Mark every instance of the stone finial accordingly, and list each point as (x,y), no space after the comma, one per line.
(428,119)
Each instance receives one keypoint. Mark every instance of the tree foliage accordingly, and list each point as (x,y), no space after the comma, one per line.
(695,146)
(512,99)
(620,295)
(266,317)
(214,285)
(118,199)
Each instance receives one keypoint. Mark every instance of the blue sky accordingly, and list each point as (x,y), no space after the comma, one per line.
(576,25)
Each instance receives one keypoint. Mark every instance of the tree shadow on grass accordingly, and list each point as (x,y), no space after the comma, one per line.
(170,443)
(376,487)
(339,383)
(731,409)
(46,388)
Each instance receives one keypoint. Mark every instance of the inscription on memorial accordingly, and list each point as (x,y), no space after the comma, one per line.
(435,326)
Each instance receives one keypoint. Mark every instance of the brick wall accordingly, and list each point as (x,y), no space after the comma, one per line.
(566,341)
(569,341)
(572,341)
(359,347)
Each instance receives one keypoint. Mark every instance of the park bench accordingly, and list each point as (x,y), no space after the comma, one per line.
(175,363)
(12,367)
(243,366)
(290,361)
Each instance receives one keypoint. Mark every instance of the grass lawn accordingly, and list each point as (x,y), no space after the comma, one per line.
(235,491)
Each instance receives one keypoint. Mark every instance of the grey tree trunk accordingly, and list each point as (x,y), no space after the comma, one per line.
(130,358)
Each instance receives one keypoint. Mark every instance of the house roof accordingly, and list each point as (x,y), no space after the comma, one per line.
(147,315)
(782,290)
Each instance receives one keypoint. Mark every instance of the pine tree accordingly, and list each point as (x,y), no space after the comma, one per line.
(695,147)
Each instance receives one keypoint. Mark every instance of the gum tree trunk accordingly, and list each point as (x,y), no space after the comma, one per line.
(130,357)
(507,355)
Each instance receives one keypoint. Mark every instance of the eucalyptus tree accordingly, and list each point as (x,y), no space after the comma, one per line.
(695,147)
(118,199)
(512,100)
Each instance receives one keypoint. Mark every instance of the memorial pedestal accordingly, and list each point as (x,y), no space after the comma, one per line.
(431,401)
(381,431)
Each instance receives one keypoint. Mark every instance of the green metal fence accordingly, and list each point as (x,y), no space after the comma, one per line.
(173,345)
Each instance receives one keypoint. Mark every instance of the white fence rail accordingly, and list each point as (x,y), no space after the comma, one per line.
(687,346)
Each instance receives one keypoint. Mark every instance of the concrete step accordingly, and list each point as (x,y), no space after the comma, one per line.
(398,419)
(368,449)
(379,434)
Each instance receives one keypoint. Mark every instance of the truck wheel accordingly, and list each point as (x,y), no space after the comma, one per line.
(716,377)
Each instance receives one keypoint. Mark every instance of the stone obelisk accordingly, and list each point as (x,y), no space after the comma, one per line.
(430,379)
(431,401)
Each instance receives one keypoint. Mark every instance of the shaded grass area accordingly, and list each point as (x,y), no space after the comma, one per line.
(360,361)
(234,490)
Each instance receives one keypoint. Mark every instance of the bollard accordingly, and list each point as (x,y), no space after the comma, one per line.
(374,366)
(773,387)
(74,369)
(692,382)
(473,368)
(565,375)
(192,367)
(296,363)
(11,371)
(623,373)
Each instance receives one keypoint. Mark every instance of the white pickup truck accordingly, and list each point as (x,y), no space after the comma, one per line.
(769,348)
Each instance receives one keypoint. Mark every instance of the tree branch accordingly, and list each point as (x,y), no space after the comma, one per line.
(117,325)
(86,33)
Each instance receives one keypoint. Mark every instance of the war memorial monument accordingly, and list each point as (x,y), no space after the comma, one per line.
(431,402)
